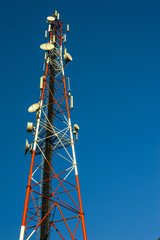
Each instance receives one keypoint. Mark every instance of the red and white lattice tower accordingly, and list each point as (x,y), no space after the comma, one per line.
(53,205)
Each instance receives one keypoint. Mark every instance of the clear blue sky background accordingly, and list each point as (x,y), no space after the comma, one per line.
(115,80)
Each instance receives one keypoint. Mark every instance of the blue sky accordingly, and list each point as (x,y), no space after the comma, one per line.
(115,80)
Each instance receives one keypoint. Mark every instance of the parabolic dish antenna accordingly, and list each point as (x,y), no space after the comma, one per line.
(50,19)
(76,127)
(34,107)
(67,57)
(47,46)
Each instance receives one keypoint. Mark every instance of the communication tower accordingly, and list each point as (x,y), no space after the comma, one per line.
(53,205)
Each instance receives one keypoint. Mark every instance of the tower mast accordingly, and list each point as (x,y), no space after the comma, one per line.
(45,226)
(53,205)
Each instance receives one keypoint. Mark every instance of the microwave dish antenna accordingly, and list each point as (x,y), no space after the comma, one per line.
(47,46)
(34,107)
(50,19)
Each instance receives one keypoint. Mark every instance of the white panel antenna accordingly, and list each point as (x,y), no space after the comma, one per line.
(67,27)
(27,146)
(64,38)
(41,82)
(71,102)
(46,33)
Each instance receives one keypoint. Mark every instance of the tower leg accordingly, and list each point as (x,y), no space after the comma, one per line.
(81,209)
(22,233)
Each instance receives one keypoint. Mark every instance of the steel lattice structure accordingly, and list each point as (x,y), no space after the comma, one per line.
(53,206)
